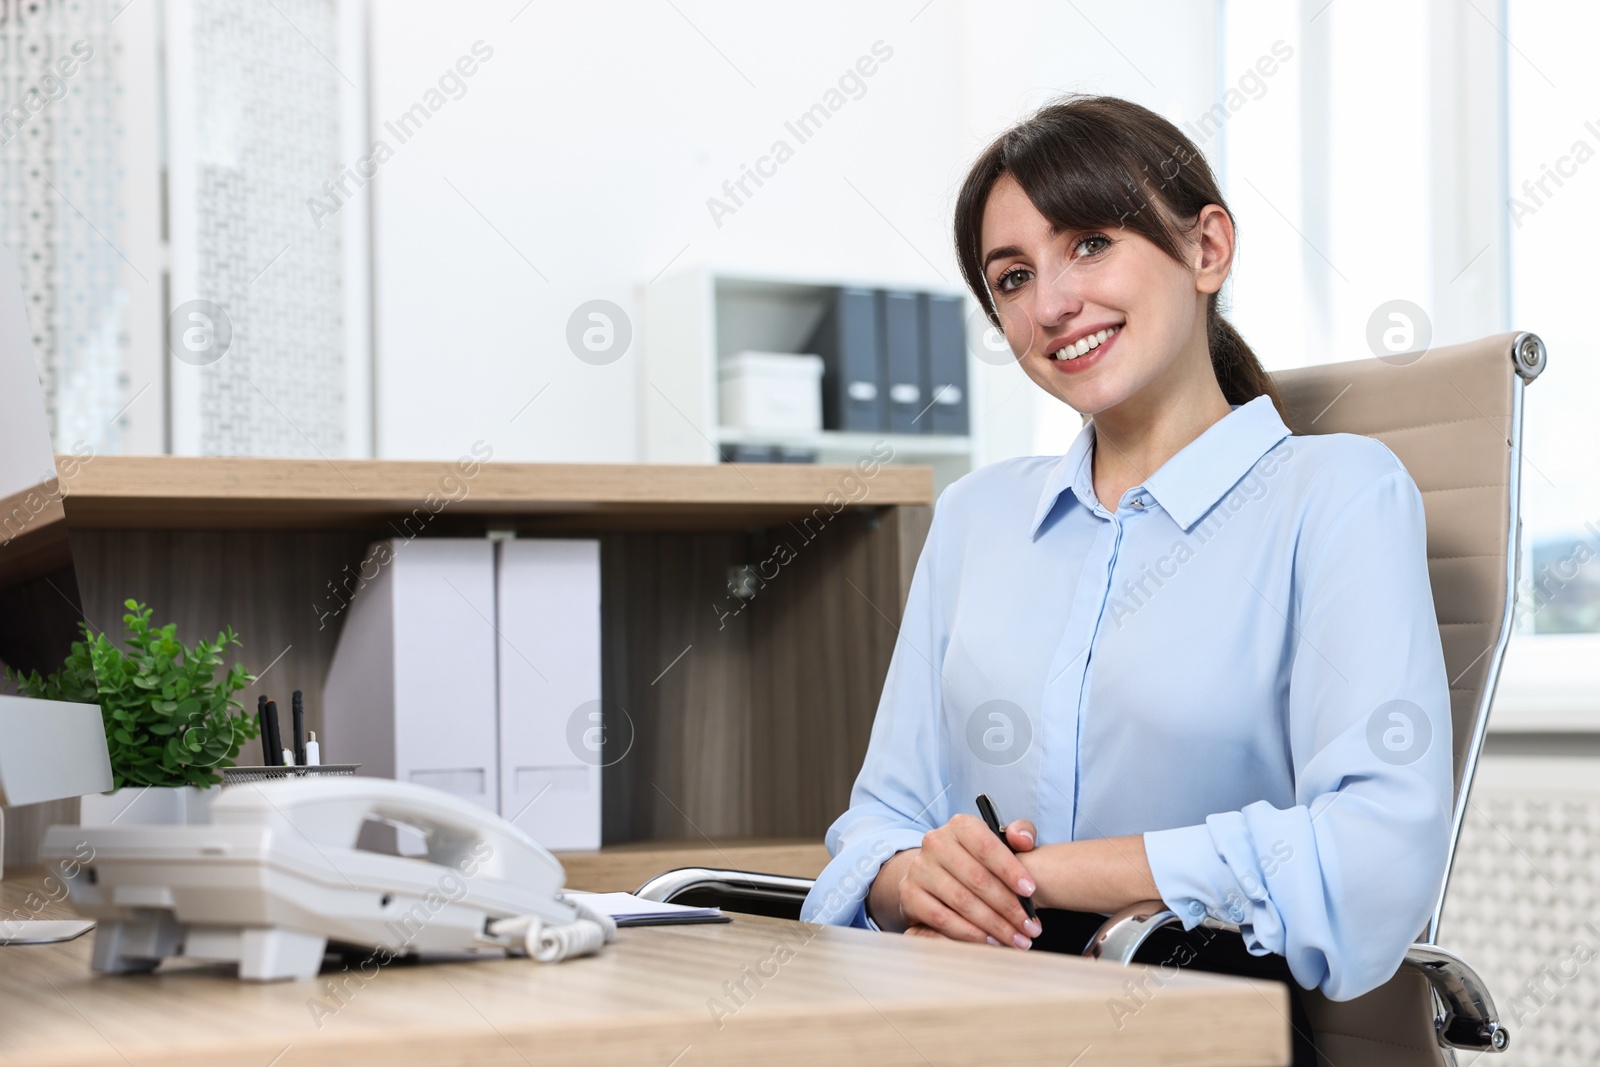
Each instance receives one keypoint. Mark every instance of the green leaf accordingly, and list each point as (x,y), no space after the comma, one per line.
(167,707)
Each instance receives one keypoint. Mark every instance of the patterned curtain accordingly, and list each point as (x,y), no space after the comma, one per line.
(266,129)
(59,209)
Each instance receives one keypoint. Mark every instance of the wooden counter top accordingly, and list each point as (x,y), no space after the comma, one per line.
(751,991)
(181,492)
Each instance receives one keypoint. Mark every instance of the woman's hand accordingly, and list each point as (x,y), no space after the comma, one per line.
(961,884)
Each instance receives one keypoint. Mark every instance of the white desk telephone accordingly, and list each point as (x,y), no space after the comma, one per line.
(275,877)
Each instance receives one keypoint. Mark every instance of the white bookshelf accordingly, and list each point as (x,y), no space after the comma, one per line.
(698,317)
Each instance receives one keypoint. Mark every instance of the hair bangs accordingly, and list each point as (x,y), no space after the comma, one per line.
(1080,180)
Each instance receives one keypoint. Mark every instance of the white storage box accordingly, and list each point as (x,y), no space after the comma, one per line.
(771,392)
(411,692)
(550,711)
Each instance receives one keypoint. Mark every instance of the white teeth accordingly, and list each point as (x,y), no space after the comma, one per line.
(1087,344)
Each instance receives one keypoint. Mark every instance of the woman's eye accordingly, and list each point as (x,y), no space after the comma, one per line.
(1106,242)
(1013,278)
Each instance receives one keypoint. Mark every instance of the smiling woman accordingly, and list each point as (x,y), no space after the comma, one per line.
(1263,736)
(1062,172)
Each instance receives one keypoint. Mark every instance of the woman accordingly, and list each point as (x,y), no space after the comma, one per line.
(1198,652)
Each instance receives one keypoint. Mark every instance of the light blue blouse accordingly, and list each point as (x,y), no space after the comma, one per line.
(1241,662)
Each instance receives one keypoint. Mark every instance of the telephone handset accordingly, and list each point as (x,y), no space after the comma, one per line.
(328,813)
(276,875)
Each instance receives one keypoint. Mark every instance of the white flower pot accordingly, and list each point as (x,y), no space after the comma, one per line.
(149,806)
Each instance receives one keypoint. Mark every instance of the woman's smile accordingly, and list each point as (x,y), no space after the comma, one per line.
(1086,353)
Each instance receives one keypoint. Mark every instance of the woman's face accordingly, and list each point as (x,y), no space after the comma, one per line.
(1057,294)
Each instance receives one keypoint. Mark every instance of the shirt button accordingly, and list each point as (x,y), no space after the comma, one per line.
(1138,502)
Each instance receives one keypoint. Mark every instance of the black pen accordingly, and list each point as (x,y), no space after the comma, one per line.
(275,742)
(297,716)
(266,736)
(992,817)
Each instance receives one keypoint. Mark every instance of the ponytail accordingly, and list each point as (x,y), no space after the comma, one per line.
(1239,372)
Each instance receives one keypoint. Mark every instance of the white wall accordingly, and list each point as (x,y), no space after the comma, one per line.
(579,161)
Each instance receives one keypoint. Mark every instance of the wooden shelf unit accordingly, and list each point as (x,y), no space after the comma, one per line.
(750,719)
(179,492)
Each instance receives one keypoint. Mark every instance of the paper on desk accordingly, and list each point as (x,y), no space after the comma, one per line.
(629,910)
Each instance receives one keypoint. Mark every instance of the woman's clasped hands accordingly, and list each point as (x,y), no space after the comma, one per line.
(962,884)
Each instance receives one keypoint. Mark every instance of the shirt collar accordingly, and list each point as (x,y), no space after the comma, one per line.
(1189,483)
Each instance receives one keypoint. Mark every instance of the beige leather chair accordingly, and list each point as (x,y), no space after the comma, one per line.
(1454,418)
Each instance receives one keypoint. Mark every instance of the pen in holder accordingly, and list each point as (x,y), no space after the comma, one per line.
(302,760)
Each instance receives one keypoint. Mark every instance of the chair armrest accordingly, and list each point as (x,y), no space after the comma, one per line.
(1468,1019)
(725,884)
(1123,934)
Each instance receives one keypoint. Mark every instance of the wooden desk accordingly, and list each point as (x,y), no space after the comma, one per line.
(828,996)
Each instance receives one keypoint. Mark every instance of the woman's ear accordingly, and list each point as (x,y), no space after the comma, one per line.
(1213,252)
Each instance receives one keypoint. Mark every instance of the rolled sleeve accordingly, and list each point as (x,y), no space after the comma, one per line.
(1341,883)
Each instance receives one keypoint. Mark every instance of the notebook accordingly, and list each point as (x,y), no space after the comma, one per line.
(629,910)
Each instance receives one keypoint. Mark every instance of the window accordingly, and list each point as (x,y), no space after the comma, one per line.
(1351,172)
(1554,178)
(1327,170)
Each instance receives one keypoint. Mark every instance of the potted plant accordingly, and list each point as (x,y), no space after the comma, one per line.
(170,721)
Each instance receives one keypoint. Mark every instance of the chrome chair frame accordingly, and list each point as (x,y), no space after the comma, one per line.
(1466,1017)
(731,885)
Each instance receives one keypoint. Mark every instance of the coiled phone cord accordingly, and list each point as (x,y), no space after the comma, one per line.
(552,942)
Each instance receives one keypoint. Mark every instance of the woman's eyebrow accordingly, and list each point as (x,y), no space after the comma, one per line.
(1000,253)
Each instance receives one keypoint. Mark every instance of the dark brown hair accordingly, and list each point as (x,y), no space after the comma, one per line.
(1100,161)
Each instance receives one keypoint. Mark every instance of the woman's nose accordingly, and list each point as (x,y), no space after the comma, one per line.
(1055,294)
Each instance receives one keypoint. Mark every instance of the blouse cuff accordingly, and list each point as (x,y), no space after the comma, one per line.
(838,896)
(1192,878)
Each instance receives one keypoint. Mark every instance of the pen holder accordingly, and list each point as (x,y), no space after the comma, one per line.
(241,775)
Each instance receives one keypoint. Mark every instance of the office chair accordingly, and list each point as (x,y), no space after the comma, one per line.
(1453,416)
